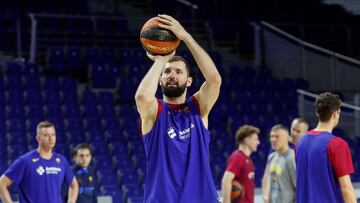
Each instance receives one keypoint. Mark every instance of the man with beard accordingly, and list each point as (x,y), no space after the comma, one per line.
(174,130)
(323,161)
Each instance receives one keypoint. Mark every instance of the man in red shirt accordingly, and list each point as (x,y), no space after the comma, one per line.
(239,165)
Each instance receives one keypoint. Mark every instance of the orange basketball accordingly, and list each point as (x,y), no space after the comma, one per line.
(237,191)
(156,40)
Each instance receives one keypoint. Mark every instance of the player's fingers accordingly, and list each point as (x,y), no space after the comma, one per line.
(168,27)
(167,22)
(171,19)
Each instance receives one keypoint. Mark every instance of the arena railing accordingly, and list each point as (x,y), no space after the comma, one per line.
(15,23)
(350,115)
(134,26)
(291,57)
(34,26)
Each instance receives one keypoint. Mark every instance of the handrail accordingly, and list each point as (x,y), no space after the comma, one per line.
(34,16)
(309,45)
(78,16)
(32,58)
(309,94)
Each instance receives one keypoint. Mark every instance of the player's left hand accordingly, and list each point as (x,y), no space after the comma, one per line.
(170,23)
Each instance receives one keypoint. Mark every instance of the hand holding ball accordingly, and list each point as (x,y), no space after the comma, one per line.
(157,40)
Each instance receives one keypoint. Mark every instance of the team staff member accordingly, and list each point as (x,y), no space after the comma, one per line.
(40,173)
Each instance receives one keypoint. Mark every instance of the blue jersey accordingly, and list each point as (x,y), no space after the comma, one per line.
(87,184)
(316,179)
(38,179)
(177,151)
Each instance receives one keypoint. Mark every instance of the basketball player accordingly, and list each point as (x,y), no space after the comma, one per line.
(299,126)
(323,161)
(84,173)
(279,179)
(40,173)
(239,165)
(175,129)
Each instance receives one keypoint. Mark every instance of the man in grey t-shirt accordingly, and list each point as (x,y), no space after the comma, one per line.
(279,180)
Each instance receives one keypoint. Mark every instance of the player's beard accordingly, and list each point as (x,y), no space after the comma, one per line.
(173,92)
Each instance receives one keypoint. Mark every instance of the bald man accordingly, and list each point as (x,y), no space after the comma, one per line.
(299,127)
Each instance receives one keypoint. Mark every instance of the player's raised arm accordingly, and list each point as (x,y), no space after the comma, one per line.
(209,91)
(145,95)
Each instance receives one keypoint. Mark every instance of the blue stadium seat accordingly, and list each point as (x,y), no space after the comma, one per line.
(131,192)
(33,97)
(102,162)
(75,136)
(53,111)
(91,113)
(15,151)
(56,59)
(15,98)
(91,55)
(72,112)
(89,99)
(74,124)
(122,162)
(73,59)
(68,82)
(118,148)
(127,176)
(93,124)
(101,76)
(115,137)
(100,149)
(106,99)
(139,161)
(111,124)
(108,112)
(69,98)
(14,68)
(136,148)
(17,124)
(16,138)
(111,190)
(32,82)
(31,69)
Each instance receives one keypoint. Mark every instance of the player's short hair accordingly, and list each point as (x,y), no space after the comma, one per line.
(302,120)
(280,127)
(245,131)
(326,104)
(82,146)
(43,124)
(180,58)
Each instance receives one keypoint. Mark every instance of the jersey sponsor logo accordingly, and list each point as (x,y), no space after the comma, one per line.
(40,170)
(48,170)
(171,132)
(35,160)
(186,132)
(52,170)
(251,175)
(183,134)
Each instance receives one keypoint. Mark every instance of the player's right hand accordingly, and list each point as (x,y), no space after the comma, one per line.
(164,58)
